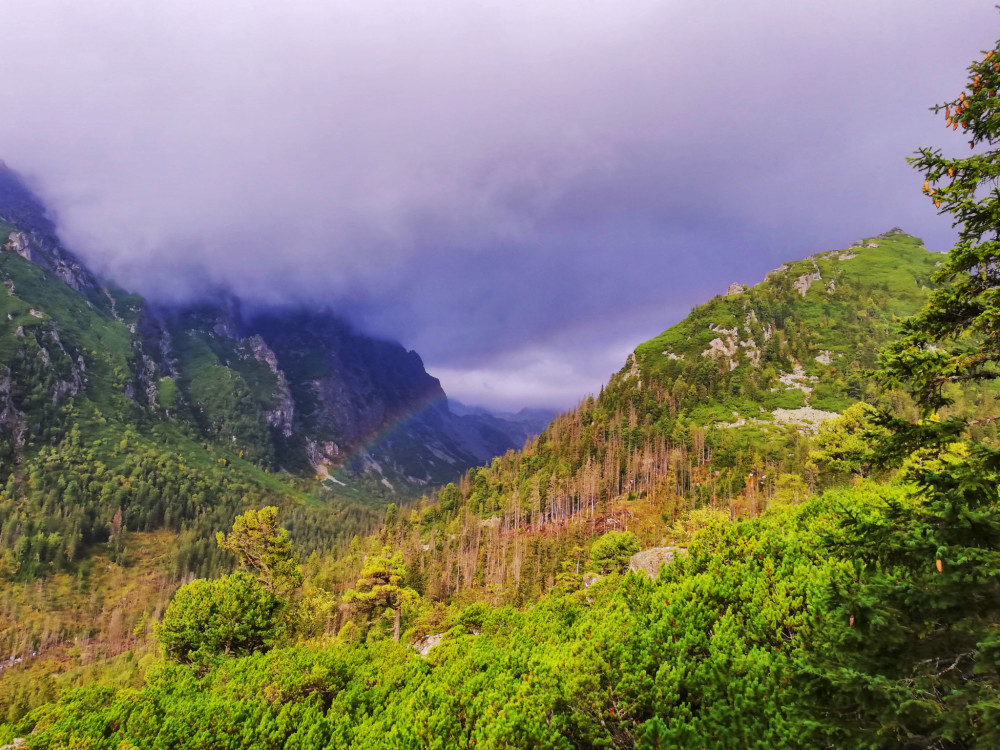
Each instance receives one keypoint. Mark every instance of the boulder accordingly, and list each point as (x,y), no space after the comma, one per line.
(425,644)
(649,560)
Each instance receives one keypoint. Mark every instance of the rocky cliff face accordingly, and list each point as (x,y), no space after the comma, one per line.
(282,416)
(347,386)
(290,389)
(35,238)
(334,398)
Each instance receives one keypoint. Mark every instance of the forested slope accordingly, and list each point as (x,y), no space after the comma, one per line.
(720,411)
(131,432)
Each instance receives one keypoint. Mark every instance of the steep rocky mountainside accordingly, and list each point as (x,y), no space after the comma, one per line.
(301,391)
(131,432)
(289,390)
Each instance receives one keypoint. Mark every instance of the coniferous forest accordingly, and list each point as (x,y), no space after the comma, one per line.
(777,525)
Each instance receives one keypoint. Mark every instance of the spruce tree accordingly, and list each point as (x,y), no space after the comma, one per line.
(905,646)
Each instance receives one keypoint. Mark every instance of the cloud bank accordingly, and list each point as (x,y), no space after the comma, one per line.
(520,191)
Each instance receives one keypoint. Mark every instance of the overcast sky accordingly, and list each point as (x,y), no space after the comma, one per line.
(520,191)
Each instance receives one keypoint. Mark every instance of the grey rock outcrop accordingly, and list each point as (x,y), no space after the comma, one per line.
(20,243)
(803,282)
(425,644)
(282,416)
(648,561)
(322,456)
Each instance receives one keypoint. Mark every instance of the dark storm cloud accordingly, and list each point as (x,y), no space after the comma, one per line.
(521,191)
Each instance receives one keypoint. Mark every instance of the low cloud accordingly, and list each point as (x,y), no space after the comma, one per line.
(480,181)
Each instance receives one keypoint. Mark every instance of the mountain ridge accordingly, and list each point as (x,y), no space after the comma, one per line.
(722,409)
(226,373)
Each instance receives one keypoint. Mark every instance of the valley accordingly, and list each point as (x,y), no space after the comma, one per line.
(234,524)
(713,434)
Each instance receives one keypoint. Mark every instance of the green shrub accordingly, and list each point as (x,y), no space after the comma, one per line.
(232,616)
(611,553)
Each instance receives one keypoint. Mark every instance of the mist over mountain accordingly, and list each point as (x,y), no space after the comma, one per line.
(284,387)
(518,193)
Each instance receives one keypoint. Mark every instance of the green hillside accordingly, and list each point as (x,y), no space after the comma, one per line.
(731,455)
(826,315)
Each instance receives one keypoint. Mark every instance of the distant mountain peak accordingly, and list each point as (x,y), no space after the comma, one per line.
(286,388)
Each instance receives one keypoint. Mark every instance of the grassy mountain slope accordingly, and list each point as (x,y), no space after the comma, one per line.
(826,314)
(721,410)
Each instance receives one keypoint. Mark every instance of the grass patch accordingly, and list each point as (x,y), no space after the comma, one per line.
(166,393)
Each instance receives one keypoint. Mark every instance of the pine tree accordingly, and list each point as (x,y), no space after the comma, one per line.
(263,547)
(232,616)
(380,590)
